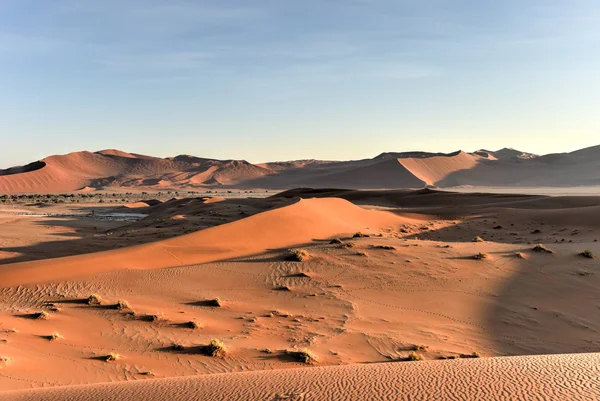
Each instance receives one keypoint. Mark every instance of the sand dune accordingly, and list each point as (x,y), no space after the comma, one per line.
(300,222)
(413,286)
(433,170)
(117,170)
(557,377)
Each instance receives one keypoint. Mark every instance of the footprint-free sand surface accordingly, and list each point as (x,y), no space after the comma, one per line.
(556,377)
(386,277)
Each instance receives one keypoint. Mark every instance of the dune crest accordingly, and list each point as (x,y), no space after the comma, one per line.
(300,222)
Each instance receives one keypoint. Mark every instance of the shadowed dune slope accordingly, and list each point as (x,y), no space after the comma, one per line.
(556,377)
(298,223)
(386,174)
(432,170)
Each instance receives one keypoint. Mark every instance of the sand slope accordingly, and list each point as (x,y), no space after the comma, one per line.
(557,377)
(297,223)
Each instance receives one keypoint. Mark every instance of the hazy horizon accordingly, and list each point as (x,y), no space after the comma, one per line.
(270,80)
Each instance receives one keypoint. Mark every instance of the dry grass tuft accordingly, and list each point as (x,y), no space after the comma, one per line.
(542,248)
(113,356)
(587,254)
(215,303)
(43,315)
(480,256)
(216,348)
(94,299)
(360,235)
(147,373)
(178,347)
(386,247)
(336,241)
(55,337)
(192,324)
(122,304)
(302,356)
(413,356)
(298,255)
(477,239)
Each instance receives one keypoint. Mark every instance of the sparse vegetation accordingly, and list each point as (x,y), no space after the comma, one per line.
(147,373)
(477,239)
(55,337)
(94,299)
(192,324)
(519,255)
(302,356)
(336,241)
(413,356)
(361,253)
(386,247)
(421,348)
(178,347)
(542,248)
(215,303)
(587,254)
(480,256)
(4,360)
(298,255)
(216,348)
(122,304)
(360,235)
(113,356)
(43,315)
(472,355)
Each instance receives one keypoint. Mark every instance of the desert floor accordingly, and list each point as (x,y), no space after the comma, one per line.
(412,285)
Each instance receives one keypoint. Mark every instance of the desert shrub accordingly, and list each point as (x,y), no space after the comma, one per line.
(298,255)
(480,256)
(386,247)
(587,254)
(113,356)
(94,299)
(360,235)
(216,303)
(542,248)
(477,239)
(413,356)
(336,241)
(122,304)
(43,315)
(302,356)
(216,348)
(192,324)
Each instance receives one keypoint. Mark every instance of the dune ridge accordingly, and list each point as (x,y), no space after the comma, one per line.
(113,169)
(555,377)
(301,221)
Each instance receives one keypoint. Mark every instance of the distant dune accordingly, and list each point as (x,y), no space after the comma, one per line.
(121,171)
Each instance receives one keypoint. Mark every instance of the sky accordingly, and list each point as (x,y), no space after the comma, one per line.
(267,80)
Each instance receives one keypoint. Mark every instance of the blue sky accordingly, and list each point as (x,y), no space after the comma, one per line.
(283,79)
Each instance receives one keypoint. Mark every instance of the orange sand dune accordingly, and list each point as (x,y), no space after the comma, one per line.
(297,223)
(557,377)
(432,170)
